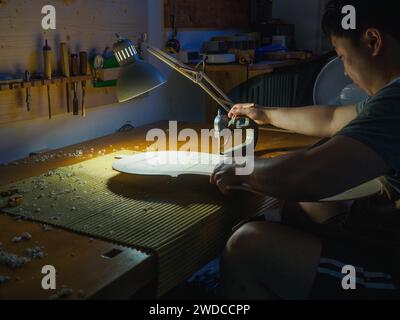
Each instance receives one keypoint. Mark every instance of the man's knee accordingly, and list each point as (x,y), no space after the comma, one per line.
(245,242)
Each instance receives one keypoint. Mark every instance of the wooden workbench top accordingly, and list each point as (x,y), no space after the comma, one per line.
(85,265)
(134,139)
(80,261)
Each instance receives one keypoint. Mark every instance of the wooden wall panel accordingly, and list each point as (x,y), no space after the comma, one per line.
(208,13)
(88,25)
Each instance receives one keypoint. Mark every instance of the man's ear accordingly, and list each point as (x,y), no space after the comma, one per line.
(374,40)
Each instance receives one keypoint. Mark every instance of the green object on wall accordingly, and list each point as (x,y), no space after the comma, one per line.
(104,84)
(109,63)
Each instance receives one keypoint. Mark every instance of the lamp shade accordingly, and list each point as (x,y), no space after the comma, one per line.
(136,79)
(136,76)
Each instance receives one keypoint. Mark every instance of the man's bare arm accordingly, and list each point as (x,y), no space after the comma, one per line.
(319,121)
(319,173)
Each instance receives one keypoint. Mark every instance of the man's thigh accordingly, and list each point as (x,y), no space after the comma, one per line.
(283,259)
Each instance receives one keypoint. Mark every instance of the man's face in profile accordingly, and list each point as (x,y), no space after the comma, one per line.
(357,61)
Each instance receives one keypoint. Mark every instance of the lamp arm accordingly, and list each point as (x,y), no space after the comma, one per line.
(215,87)
(198,77)
(205,83)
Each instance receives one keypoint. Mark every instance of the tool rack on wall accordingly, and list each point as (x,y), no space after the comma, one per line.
(43,82)
(84,28)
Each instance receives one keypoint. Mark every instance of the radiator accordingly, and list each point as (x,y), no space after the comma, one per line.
(274,90)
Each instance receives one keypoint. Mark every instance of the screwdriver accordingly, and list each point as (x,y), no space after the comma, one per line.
(66,72)
(47,72)
(74,73)
(28,91)
(83,59)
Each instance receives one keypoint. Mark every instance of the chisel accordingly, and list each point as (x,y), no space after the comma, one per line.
(74,73)
(47,72)
(66,72)
(28,91)
(83,59)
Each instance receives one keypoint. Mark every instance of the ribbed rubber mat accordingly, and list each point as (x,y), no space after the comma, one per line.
(185,221)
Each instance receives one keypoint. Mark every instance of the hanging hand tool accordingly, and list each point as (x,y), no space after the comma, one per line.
(66,72)
(28,91)
(74,73)
(47,71)
(83,59)
(173,45)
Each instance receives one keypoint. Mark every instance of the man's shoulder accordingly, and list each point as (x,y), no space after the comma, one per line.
(386,101)
(392,90)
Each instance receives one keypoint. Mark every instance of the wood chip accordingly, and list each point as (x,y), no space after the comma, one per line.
(12,261)
(4,279)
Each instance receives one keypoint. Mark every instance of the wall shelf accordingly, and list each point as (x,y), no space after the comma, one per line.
(43,82)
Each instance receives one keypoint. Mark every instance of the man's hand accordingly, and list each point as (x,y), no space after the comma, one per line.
(225,178)
(250,110)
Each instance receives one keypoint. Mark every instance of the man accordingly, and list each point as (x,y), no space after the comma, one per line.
(287,260)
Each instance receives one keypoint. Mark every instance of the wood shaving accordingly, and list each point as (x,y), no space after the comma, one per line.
(16,239)
(26,236)
(63,293)
(47,227)
(35,253)
(81,294)
(23,237)
(4,279)
(12,260)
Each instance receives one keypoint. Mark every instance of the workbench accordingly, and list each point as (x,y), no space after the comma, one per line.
(94,268)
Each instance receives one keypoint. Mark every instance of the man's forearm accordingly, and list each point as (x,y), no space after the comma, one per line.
(284,177)
(312,120)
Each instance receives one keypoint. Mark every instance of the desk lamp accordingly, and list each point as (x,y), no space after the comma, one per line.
(138,77)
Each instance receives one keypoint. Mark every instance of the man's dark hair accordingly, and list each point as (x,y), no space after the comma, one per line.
(380,14)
